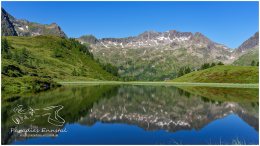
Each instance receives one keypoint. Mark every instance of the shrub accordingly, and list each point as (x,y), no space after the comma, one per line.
(57,52)
(5,48)
(253,63)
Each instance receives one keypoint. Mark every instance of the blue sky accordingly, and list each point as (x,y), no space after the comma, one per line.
(229,23)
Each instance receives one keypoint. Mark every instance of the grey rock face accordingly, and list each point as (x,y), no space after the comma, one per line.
(252,42)
(6,24)
(17,27)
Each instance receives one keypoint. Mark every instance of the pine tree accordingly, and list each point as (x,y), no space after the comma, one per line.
(74,72)
(23,55)
(253,63)
(181,73)
(220,63)
(205,66)
(187,70)
(5,48)
(213,64)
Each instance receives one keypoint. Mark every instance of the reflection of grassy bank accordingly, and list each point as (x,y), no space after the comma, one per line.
(76,101)
(227,85)
(225,94)
(27,84)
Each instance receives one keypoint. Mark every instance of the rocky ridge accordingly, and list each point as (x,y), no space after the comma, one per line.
(19,27)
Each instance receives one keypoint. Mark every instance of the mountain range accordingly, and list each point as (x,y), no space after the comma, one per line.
(150,55)
(159,55)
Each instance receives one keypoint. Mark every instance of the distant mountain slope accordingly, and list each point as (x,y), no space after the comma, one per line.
(247,51)
(247,58)
(28,60)
(223,74)
(16,27)
(157,55)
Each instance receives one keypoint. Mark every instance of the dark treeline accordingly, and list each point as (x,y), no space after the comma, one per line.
(110,68)
(20,56)
(254,63)
(185,70)
(208,65)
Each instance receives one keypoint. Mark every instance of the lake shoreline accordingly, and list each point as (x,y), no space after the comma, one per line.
(226,85)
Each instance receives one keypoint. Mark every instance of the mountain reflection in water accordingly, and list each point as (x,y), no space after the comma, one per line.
(152,108)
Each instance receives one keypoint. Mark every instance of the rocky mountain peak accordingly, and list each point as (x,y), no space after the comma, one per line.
(6,24)
(88,39)
(13,27)
(174,33)
(53,24)
(199,37)
(250,43)
(3,11)
(147,35)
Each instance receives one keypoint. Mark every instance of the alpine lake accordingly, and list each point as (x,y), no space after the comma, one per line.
(132,114)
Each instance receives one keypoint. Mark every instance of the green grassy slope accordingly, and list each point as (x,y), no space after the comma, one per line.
(47,59)
(246,59)
(222,74)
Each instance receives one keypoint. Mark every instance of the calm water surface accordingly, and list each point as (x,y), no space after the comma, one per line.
(127,114)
